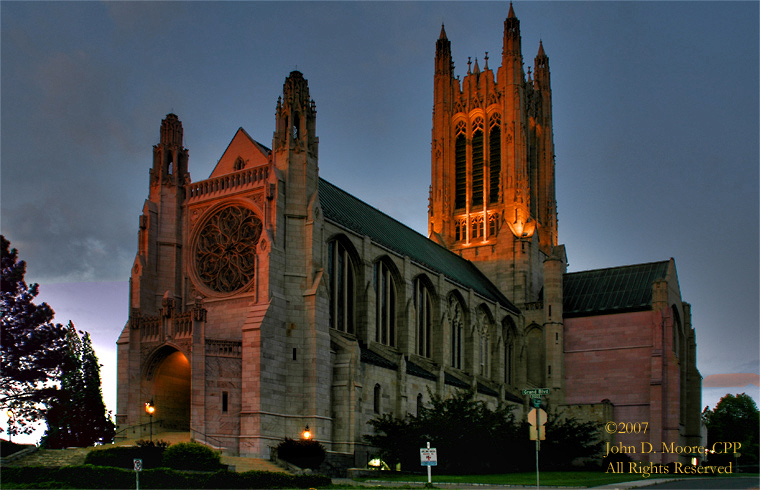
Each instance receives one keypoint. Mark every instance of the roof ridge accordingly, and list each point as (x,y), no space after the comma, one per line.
(656,262)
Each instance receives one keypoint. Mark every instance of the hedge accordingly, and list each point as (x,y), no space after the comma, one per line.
(88,476)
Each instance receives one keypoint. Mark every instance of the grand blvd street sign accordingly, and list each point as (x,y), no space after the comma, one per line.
(536,392)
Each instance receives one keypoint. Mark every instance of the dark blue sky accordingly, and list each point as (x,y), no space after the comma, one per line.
(655,121)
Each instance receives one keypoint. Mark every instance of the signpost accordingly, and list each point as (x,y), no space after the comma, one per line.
(537,419)
(428,457)
(138,469)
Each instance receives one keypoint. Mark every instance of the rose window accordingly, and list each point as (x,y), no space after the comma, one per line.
(225,249)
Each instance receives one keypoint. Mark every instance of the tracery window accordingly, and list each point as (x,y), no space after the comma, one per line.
(423,310)
(460,167)
(483,330)
(493,224)
(477,163)
(239,164)
(476,222)
(342,289)
(494,158)
(460,229)
(456,319)
(225,249)
(385,304)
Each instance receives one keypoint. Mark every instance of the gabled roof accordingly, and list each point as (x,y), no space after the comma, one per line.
(351,213)
(613,290)
(242,146)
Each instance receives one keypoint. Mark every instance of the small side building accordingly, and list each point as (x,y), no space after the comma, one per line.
(630,345)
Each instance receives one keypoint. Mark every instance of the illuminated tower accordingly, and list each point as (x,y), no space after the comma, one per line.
(492,193)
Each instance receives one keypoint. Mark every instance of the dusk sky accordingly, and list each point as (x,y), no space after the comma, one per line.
(655,108)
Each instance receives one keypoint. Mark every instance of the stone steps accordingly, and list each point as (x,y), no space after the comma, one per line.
(76,456)
(54,457)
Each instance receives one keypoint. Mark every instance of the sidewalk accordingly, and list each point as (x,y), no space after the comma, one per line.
(348,483)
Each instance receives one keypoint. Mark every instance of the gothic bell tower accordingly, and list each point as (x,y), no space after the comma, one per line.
(161,234)
(492,197)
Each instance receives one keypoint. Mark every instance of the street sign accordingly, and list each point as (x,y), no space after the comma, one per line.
(428,456)
(536,391)
(532,416)
(138,464)
(536,401)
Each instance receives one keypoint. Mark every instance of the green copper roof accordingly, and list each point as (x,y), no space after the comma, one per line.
(614,290)
(361,218)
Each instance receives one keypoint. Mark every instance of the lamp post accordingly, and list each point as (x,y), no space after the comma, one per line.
(306,434)
(10,425)
(150,408)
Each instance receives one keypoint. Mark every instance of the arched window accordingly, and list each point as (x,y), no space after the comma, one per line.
(484,331)
(456,319)
(536,355)
(460,167)
(377,399)
(423,307)
(494,158)
(239,164)
(419,404)
(385,304)
(342,290)
(509,352)
(477,163)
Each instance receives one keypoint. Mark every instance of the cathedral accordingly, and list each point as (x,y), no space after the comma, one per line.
(264,299)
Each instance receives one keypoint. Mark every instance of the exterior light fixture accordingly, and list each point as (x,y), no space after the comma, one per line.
(149,409)
(306,434)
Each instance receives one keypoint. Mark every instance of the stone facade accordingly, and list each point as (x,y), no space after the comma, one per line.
(264,299)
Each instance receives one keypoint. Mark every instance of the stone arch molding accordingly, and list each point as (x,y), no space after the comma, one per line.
(155,357)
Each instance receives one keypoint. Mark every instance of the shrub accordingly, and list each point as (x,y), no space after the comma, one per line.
(144,443)
(124,456)
(304,454)
(192,456)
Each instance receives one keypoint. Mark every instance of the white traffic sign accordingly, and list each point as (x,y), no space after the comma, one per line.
(428,456)
(536,391)
(138,464)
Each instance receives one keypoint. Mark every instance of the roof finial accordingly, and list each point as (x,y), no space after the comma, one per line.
(511,14)
(486,58)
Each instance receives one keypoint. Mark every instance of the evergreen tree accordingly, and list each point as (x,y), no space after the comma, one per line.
(77,415)
(100,428)
(32,348)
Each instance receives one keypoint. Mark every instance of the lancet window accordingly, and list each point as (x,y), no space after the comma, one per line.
(494,158)
(477,162)
(342,290)
(460,166)
(423,307)
(385,304)
(456,322)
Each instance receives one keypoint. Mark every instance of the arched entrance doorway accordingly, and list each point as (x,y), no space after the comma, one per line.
(171,388)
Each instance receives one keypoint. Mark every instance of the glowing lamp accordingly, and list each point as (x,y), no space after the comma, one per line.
(306,434)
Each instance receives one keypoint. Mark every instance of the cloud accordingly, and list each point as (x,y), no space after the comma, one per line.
(731,380)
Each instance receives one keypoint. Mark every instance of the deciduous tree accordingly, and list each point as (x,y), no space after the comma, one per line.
(734,419)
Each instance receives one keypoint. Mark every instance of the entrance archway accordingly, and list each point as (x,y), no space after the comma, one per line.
(171,390)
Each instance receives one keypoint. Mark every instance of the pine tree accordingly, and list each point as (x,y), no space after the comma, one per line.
(77,415)
(32,348)
(100,428)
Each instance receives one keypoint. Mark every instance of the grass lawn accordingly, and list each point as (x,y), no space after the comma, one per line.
(549,478)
